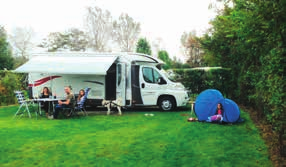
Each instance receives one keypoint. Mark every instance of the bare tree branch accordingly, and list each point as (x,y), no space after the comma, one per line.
(21,40)
(191,48)
(99,28)
(126,32)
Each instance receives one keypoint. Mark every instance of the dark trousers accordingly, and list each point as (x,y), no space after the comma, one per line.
(59,108)
(47,106)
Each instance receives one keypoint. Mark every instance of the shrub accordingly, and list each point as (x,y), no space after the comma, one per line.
(197,80)
(10,82)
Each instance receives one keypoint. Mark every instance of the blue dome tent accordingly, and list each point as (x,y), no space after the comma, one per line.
(231,112)
(206,104)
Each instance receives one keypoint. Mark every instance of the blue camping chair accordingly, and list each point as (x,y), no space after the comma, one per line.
(80,107)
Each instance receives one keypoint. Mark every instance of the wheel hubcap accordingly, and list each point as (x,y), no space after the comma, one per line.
(166,104)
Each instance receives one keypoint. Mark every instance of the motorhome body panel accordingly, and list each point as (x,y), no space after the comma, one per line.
(56,84)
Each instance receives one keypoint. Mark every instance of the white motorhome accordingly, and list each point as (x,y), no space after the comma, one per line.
(135,78)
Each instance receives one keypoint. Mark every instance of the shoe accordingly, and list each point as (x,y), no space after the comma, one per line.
(51,117)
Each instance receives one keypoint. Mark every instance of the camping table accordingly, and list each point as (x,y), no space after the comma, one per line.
(46,100)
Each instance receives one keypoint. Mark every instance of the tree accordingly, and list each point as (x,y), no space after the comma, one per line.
(21,39)
(73,40)
(99,28)
(55,41)
(164,56)
(192,48)
(126,32)
(77,40)
(6,59)
(143,46)
(18,61)
(219,5)
(249,38)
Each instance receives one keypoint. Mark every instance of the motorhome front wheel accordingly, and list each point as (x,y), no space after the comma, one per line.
(166,103)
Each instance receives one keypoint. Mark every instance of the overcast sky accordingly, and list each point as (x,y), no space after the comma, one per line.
(165,19)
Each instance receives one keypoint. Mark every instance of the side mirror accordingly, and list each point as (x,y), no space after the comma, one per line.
(161,81)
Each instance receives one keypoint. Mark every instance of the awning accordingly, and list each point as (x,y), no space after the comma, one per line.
(68,64)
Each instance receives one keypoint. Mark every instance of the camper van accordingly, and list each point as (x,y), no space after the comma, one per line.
(135,78)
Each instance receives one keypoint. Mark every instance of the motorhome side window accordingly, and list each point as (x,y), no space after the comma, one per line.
(119,74)
(150,75)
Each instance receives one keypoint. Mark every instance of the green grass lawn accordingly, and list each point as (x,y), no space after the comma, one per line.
(166,139)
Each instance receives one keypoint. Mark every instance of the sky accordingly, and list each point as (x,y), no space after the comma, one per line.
(164,19)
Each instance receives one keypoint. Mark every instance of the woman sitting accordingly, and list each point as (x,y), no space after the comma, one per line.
(79,101)
(45,105)
(80,97)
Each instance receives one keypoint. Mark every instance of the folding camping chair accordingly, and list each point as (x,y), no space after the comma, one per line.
(80,107)
(24,104)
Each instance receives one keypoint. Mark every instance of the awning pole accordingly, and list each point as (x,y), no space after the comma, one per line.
(33,85)
(51,84)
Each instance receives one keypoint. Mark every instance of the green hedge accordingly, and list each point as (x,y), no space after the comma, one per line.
(9,82)
(198,80)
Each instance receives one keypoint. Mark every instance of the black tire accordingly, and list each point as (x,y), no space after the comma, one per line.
(167,103)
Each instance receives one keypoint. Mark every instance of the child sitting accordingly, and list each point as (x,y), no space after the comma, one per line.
(218,117)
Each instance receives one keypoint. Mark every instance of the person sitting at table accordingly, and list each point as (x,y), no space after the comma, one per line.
(45,105)
(68,103)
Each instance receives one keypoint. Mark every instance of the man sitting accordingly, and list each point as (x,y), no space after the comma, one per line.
(68,103)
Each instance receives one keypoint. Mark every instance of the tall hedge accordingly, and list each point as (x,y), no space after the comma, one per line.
(250,38)
(198,80)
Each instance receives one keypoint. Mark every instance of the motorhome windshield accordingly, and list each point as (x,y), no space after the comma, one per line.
(167,75)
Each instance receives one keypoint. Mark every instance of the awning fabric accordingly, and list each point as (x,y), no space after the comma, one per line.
(68,64)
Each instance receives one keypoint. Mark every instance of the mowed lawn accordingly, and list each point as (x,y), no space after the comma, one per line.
(166,139)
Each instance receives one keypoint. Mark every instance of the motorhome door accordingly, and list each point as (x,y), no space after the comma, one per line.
(150,86)
(121,82)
